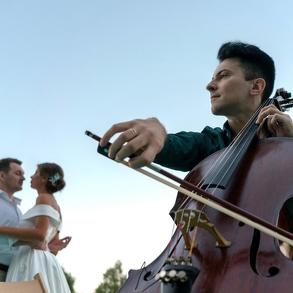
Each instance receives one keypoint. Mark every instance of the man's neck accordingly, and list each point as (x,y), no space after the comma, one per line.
(9,193)
(239,119)
(236,126)
(237,123)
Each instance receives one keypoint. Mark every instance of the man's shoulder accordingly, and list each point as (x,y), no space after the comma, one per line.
(213,129)
(223,135)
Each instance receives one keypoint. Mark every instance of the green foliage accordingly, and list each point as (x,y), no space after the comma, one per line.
(70,280)
(113,279)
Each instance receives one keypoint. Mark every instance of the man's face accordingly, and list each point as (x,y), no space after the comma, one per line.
(12,180)
(229,91)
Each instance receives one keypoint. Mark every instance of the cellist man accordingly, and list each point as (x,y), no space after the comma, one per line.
(243,79)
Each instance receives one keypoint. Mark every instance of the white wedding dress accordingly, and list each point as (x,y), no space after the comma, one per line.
(28,261)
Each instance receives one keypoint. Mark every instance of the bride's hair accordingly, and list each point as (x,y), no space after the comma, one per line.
(54,175)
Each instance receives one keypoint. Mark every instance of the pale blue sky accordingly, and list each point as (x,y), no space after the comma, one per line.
(68,66)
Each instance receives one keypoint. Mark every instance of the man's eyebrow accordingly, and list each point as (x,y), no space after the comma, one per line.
(220,72)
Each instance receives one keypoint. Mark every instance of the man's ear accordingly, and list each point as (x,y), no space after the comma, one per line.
(2,175)
(258,86)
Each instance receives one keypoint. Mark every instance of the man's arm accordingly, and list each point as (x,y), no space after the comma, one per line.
(147,141)
(54,246)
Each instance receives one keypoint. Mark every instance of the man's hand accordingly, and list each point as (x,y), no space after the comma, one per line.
(278,123)
(141,139)
(58,244)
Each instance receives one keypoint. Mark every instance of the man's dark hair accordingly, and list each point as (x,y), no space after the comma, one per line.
(255,62)
(5,164)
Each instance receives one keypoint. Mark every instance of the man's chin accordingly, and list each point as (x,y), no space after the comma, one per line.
(216,112)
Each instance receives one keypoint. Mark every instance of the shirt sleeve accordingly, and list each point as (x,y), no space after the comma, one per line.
(184,150)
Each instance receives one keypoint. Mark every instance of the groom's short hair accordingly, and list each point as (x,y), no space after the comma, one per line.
(5,164)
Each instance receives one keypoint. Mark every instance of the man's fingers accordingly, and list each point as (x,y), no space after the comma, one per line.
(123,138)
(132,147)
(270,124)
(279,124)
(136,137)
(145,158)
(116,128)
(268,110)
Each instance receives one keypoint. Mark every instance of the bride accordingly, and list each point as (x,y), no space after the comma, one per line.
(40,224)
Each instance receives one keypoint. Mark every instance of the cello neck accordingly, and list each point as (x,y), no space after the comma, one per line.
(225,167)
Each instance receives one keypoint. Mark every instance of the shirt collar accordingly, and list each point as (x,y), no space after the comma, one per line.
(228,131)
(4,195)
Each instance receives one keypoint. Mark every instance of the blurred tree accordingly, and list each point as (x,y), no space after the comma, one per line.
(70,280)
(113,279)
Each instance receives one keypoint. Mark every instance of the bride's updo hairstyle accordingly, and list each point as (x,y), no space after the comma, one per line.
(55,176)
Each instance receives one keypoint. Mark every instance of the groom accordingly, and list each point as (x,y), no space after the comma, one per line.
(11,180)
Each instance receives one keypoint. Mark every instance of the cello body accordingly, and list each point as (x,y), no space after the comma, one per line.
(253,263)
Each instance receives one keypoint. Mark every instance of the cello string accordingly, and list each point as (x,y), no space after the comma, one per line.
(240,215)
(238,143)
(180,226)
(229,152)
(193,241)
(260,224)
(226,155)
(221,157)
(242,139)
(231,155)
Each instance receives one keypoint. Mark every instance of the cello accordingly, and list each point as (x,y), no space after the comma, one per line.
(227,239)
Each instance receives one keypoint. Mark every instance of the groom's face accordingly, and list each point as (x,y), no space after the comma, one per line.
(13,179)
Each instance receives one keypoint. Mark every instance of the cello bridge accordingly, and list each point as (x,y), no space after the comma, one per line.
(187,219)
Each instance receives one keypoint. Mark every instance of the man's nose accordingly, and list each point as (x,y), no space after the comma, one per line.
(211,86)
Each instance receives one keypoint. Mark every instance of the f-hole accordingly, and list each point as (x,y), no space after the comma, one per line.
(285,221)
(272,271)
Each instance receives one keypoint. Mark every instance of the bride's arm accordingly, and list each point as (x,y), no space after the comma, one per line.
(57,244)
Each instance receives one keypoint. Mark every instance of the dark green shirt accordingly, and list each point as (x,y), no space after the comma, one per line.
(184,150)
